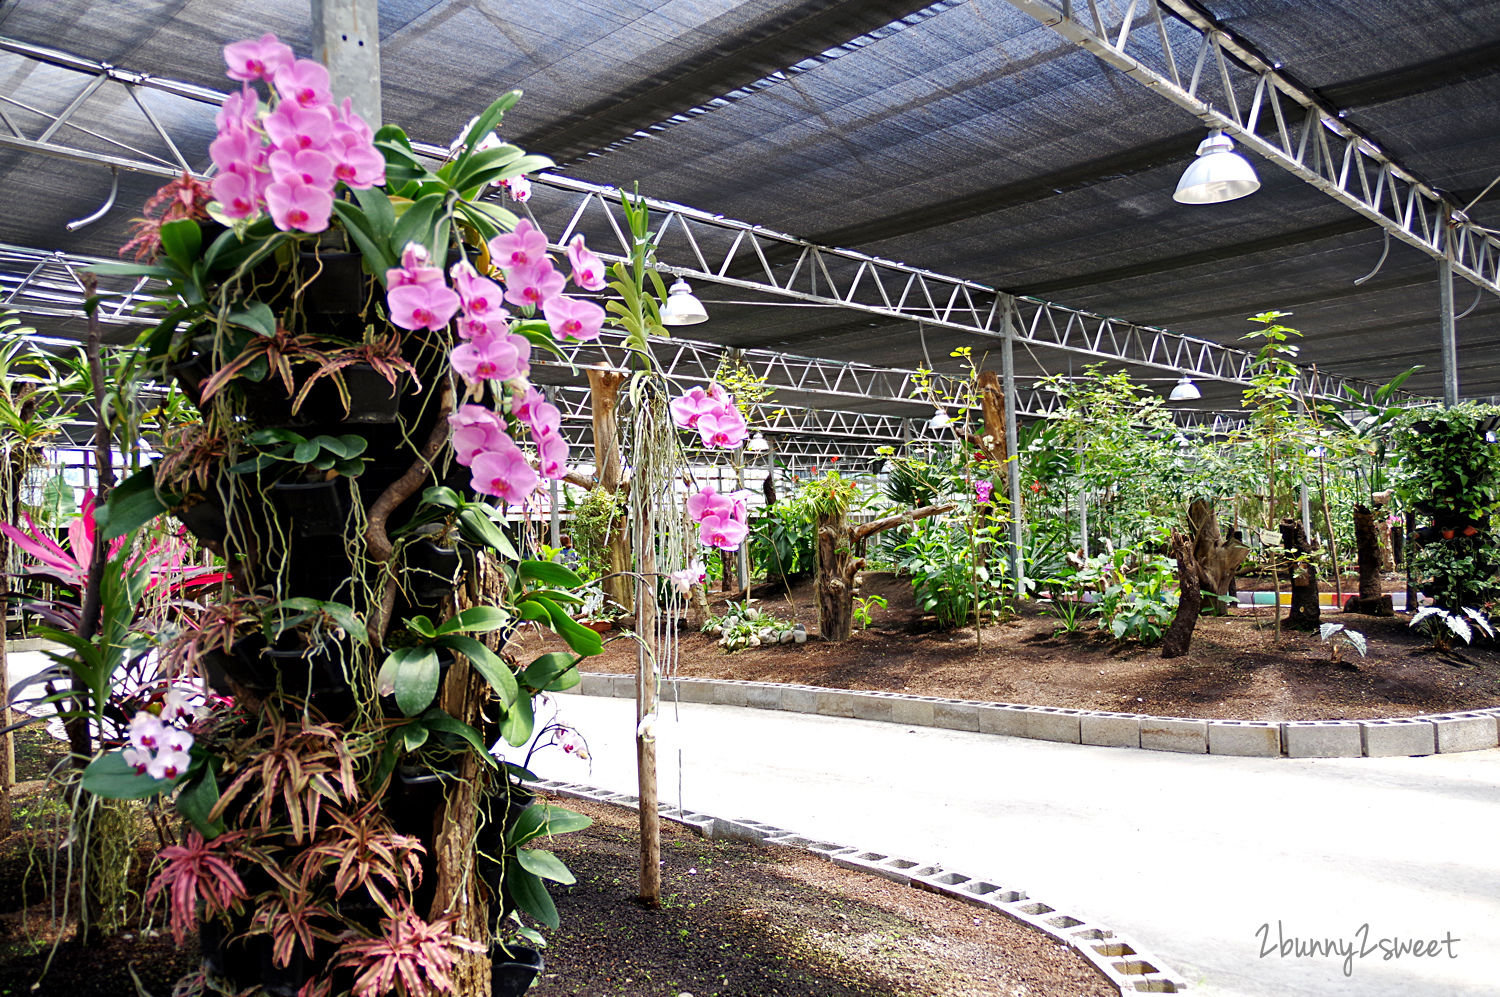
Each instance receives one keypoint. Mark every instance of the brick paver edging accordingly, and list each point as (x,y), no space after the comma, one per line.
(1114,957)
(1473,730)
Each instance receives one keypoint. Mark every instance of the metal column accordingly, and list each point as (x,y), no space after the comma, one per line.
(1449,324)
(1013,465)
(346,39)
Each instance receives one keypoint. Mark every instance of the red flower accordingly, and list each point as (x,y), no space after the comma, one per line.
(1036,486)
(833,460)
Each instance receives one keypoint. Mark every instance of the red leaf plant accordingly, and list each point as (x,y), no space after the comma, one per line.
(410,958)
(194,871)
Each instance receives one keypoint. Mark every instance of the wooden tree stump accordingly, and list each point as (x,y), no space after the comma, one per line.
(1217,559)
(604,397)
(1178,637)
(1370,601)
(838,563)
(1303,575)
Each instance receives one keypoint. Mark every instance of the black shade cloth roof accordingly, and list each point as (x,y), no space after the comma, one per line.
(961,137)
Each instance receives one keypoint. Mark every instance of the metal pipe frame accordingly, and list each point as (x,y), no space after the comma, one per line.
(749,257)
(1285,124)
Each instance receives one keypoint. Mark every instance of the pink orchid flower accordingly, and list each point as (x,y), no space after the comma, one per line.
(523,403)
(415,268)
(543,419)
(684,579)
(475,430)
(524,247)
(494,358)
(552,455)
(257,59)
(532,286)
(708,502)
(304,84)
(725,429)
(722,532)
(307,166)
(428,304)
(237,193)
(519,189)
(496,323)
(300,207)
(982,490)
(480,295)
(689,408)
(573,319)
(505,474)
(291,127)
(237,148)
(588,269)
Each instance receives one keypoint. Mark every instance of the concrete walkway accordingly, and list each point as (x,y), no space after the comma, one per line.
(1191,855)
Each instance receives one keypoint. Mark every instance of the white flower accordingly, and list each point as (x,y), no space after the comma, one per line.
(174,706)
(138,760)
(146,731)
(686,578)
(168,765)
(176,740)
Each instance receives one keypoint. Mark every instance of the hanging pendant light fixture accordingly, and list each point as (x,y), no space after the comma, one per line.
(1184,391)
(940,419)
(1218,174)
(682,306)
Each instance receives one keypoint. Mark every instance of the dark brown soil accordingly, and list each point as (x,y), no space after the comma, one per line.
(737,921)
(1238,667)
(744,921)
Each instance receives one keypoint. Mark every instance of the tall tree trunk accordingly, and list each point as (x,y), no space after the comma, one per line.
(1217,559)
(1369,601)
(838,563)
(1178,637)
(1304,612)
(604,396)
(837,567)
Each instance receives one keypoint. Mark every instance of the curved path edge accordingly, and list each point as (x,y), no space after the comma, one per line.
(1116,958)
(1434,733)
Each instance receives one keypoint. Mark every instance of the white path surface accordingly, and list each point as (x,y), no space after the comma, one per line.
(1188,854)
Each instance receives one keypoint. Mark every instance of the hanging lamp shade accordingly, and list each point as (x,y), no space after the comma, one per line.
(940,419)
(1184,391)
(682,306)
(1218,174)
(758,444)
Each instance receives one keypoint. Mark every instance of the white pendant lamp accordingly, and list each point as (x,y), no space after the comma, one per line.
(758,444)
(940,419)
(1218,174)
(1184,391)
(682,306)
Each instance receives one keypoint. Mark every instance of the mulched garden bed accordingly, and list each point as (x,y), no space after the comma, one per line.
(749,921)
(1238,668)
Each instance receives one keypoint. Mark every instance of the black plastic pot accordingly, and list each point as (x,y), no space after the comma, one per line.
(431,570)
(190,375)
(312,508)
(205,519)
(373,401)
(514,968)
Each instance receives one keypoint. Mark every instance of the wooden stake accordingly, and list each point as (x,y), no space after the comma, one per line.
(645,706)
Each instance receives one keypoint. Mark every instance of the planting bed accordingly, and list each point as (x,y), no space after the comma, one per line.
(1238,669)
(738,921)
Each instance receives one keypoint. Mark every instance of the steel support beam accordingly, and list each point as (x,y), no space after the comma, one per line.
(1012,446)
(703,246)
(1231,88)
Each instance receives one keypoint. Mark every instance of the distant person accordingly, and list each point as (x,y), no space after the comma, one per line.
(568,557)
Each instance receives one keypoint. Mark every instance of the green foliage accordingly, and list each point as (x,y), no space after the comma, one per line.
(1137,591)
(1337,637)
(1458,572)
(593,519)
(830,496)
(783,540)
(864,607)
(340,454)
(940,558)
(1442,626)
(1447,467)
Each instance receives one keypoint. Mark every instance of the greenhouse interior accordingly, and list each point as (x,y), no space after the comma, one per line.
(731,498)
